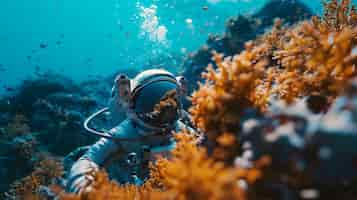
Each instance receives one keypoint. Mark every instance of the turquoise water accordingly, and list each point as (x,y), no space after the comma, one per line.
(86,38)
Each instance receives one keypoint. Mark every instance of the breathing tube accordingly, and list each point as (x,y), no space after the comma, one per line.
(106,134)
(92,130)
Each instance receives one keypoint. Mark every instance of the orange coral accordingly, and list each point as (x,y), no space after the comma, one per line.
(339,14)
(318,55)
(48,169)
(313,57)
(315,61)
(228,90)
(104,189)
(191,174)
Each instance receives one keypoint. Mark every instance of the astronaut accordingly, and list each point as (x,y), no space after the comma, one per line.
(152,106)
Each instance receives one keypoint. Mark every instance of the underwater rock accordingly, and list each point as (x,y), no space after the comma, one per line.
(32,90)
(47,170)
(306,149)
(52,106)
(59,119)
(290,11)
(43,45)
(239,30)
(55,108)
(16,152)
(97,91)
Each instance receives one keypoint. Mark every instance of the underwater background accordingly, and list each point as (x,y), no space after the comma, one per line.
(272,90)
(84,39)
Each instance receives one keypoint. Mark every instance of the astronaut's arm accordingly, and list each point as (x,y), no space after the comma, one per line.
(81,174)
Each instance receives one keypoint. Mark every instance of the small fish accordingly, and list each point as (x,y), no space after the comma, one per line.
(29,57)
(9,89)
(127,35)
(205,8)
(58,43)
(43,46)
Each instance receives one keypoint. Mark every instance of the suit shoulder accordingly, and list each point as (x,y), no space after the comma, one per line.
(124,130)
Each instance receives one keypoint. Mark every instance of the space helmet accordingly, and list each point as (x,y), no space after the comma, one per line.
(156,98)
(152,99)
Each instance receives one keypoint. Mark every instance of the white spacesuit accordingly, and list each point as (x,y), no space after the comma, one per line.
(126,150)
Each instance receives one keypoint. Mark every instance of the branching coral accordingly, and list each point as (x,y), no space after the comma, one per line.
(339,14)
(238,83)
(191,174)
(315,57)
(104,189)
(188,175)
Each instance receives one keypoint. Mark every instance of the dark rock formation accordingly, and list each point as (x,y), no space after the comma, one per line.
(290,11)
(32,90)
(306,150)
(16,159)
(45,115)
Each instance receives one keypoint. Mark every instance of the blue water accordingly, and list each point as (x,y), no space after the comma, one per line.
(85,38)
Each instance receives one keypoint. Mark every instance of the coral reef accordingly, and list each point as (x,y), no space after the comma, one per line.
(314,57)
(54,107)
(203,178)
(105,189)
(44,114)
(303,68)
(310,153)
(279,118)
(239,30)
(18,146)
(189,174)
(46,172)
